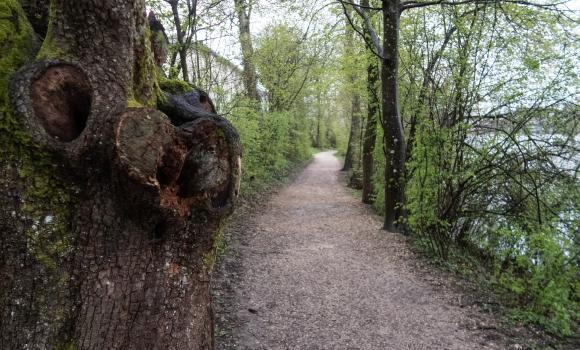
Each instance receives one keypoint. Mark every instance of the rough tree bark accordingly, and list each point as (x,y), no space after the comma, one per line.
(243,9)
(351,157)
(108,206)
(393,136)
(370,132)
(393,139)
(351,160)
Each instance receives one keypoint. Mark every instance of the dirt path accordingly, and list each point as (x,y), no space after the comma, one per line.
(313,270)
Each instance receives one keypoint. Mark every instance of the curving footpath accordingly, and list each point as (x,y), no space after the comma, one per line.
(312,269)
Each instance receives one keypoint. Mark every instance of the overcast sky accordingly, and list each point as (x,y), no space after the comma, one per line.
(313,13)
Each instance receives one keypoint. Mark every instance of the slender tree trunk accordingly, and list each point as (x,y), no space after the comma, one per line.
(371,128)
(319,115)
(108,207)
(394,142)
(352,150)
(250,80)
(348,156)
(182,49)
(422,99)
(351,160)
(318,145)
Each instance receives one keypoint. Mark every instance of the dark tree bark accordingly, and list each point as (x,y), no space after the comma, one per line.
(159,40)
(394,140)
(318,143)
(351,158)
(370,133)
(108,206)
(37,13)
(250,80)
(393,136)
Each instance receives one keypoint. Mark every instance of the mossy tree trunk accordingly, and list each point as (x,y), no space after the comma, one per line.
(243,11)
(108,206)
(351,158)
(393,136)
(352,155)
(370,131)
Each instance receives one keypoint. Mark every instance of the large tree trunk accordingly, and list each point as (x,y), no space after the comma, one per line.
(394,142)
(250,80)
(108,206)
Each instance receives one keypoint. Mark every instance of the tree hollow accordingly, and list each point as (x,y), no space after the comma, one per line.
(61,98)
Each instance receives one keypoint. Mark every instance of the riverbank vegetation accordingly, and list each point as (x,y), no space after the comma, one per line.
(457,120)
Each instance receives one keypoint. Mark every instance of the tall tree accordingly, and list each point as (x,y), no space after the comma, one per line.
(351,158)
(370,130)
(373,110)
(108,206)
(183,43)
(285,63)
(393,135)
(243,11)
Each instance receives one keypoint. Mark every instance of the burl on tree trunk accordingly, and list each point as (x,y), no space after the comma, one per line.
(112,188)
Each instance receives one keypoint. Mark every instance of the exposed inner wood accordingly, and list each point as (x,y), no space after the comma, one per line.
(61,98)
(207,169)
(187,166)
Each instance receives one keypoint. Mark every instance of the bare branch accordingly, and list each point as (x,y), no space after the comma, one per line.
(375,45)
(416,4)
(369,27)
(362,6)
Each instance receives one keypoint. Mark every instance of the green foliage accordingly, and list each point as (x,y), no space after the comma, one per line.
(542,278)
(284,65)
(272,144)
(493,175)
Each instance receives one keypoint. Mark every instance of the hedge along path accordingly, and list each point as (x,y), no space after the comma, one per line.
(314,270)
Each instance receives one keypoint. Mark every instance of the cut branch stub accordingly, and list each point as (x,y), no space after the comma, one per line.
(212,167)
(187,106)
(195,166)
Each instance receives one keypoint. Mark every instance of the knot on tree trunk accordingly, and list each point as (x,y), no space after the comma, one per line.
(147,188)
(54,100)
(195,165)
(162,166)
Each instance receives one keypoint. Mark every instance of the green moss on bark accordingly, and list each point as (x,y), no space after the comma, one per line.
(45,201)
(18,44)
(145,76)
(51,47)
(175,86)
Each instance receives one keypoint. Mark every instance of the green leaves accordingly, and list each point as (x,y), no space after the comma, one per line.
(490,164)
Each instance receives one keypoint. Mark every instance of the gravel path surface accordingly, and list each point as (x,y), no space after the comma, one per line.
(313,270)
